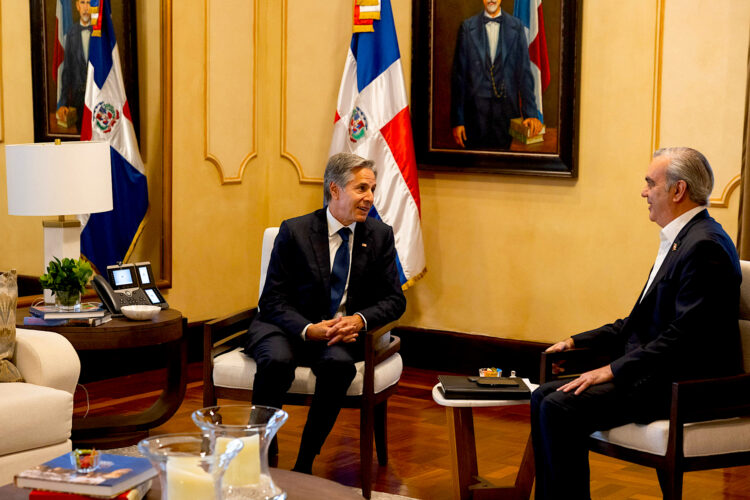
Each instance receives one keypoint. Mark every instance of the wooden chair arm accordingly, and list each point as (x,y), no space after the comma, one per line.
(710,399)
(574,362)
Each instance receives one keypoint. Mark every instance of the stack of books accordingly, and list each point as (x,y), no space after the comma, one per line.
(91,314)
(522,134)
(118,477)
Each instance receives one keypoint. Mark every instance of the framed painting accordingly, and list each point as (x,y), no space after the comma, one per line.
(495,85)
(60,34)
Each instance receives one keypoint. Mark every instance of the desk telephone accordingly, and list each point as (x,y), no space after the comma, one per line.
(128,284)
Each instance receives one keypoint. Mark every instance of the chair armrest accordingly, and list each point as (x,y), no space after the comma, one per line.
(381,353)
(574,361)
(46,359)
(221,334)
(710,399)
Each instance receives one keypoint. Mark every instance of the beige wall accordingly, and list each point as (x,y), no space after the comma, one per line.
(513,257)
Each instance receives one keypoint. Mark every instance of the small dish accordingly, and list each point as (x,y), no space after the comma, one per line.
(140,313)
(85,461)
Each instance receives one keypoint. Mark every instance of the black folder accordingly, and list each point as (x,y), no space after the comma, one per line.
(463,387)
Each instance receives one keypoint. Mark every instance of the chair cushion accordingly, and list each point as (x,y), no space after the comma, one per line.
(713,437)
(33,416)
(237,371)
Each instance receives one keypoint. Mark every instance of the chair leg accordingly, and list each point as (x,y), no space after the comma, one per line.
(670,481)
(365,449)
(381,432)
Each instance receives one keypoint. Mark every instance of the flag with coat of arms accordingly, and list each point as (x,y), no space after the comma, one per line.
(109,237)
(530,13)
(372,120)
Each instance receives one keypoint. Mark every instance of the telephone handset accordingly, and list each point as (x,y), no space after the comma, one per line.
(128,284)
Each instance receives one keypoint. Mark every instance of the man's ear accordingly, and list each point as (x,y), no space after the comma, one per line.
(680,191)
(334,189)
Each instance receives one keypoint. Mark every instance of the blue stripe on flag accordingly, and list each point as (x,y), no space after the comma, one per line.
(107,236)
(401,275)
(67,16)
(376,51)
(100,47)
(522,10)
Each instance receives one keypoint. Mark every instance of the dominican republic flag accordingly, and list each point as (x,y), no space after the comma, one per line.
(372,121)
(529,12)
(109,237)
(63,21)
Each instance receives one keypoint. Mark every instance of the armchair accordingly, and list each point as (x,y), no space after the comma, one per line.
(228,373)
(37,414)
(709,421)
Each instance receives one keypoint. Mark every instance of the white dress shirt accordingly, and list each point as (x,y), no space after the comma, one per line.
(666,236)
(493,33)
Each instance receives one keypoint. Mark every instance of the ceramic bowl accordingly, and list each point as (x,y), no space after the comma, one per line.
(140,312)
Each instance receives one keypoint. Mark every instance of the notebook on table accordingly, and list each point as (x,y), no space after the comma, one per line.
(464,387)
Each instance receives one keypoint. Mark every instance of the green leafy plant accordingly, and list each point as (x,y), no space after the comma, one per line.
(68,275)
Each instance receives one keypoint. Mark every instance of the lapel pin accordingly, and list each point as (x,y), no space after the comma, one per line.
(364,245)
(674,247)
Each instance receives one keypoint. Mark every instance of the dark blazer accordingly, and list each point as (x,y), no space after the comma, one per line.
(297,288)
(75,67)
(686,326)
(471,85)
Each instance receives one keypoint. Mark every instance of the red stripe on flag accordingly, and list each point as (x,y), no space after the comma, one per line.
(397,134)
(337,117)
(59,54)
(86,124)
(538,50)
(126,111)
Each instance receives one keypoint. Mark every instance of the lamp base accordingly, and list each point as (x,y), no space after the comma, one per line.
(62,238)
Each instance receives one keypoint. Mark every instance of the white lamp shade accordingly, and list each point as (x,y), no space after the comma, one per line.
(58,179)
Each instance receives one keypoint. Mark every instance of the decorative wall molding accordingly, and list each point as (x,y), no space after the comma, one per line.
(230,124)
(658,60)
(303,178)
(723,200)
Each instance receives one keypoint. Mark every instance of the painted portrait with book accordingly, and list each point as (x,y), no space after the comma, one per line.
(494,85)
(60,35)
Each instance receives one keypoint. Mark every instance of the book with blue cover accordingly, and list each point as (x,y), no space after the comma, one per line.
(88,310)
(116,473)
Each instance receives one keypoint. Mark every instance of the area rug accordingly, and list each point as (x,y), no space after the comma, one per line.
(132,451)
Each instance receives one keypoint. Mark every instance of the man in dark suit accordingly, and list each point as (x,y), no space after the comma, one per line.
(491,76)
(683,326)
(73,88)
(315,302)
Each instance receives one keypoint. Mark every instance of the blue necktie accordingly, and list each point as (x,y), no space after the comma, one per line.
(340,270)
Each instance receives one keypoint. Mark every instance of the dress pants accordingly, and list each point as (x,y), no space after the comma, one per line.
(561,423)
(277,356)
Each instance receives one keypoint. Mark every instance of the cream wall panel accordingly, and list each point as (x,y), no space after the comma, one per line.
(703,88)
(2,120)
(230,86)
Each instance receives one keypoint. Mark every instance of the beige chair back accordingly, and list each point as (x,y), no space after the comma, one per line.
(745,313)
(269,236)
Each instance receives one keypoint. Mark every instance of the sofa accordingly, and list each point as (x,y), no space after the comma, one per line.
(36,416)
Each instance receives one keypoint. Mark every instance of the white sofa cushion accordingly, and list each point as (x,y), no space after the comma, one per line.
(236,370)
(33,416)
(700,438)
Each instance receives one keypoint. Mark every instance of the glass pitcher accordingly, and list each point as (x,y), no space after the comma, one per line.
(189,466)
(248,476)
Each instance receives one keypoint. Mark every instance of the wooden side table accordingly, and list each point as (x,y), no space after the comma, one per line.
(466,481)
(110,431)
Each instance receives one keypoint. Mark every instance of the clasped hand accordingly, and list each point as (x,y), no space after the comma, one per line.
(342,329)
(585,380)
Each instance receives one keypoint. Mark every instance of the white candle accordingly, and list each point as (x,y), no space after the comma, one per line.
(186,479)
(244,469)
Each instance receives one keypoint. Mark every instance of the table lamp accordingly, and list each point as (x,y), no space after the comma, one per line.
(67,178)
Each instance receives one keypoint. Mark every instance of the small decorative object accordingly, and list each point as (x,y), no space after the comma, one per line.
(189,465)
(85,461)
(67,279)
(140,312)
(8,300)
(490,372)
(248,475)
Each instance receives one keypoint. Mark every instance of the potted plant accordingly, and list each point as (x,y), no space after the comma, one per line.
(67,280)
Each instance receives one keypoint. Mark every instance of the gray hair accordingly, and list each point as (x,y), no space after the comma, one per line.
(340,169)
(689,165)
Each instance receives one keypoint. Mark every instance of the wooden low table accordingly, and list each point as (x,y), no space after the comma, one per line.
(466,481)
(297,486)
(112,431)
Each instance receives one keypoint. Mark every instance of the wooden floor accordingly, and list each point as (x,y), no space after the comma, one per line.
(419,464)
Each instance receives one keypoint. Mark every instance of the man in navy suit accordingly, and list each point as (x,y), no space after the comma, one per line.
(491,80)
(311,312)
(683,326)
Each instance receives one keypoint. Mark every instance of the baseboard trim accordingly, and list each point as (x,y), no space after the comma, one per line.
(465,353)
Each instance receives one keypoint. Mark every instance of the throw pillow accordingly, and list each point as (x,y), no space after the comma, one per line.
(8,300)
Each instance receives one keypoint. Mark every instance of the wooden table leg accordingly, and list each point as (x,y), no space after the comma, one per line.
(463,450)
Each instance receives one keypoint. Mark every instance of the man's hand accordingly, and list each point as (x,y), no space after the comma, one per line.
(459,135)
(557,368)
(534,126)
(346,329)
(594,377)
(319,331)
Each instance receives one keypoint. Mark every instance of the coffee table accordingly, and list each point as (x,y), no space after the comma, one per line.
(113,431)
(466,481)
(297,486)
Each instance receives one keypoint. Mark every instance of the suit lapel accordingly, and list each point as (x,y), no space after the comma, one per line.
(319,245)
(506,36)
(479,37)
(359,252)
